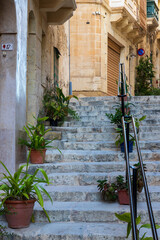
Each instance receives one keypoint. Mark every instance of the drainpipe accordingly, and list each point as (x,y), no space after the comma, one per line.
(70,83)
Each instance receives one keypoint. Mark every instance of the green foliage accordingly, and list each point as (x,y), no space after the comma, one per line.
(36,135)
(126,217)
(120,138)
(24,186)
(140,184)
(2,228)
(56,105)
(108,190)
(154,91)
(115,118)
(120,183)
(138,122)
(144,76)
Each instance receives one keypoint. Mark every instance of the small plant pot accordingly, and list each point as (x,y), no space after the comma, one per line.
(123,197)
(38,156)
(19,213)
(53,122)
(130,146)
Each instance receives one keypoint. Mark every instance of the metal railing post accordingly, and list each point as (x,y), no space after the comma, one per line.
(133,219)
(135,191)
(148,200)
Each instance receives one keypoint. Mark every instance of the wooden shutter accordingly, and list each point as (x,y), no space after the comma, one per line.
(113,67)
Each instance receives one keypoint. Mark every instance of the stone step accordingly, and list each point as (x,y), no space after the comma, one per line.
(65,193)
(96,123)
(113,105)
(85,178)
(70,231)
(102,112)
(101,136)
(97,156)
(102,145)
(112,99)
(90,167)
(102,129)
(90,211)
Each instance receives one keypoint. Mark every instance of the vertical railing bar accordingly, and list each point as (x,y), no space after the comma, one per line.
(149,205)
(134,227)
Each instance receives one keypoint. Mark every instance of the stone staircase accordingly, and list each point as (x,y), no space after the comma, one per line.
(89,154)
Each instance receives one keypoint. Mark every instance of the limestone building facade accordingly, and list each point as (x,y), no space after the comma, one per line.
(104,33)
(34,40)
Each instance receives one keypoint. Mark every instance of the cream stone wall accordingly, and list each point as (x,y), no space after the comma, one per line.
(13,29)
(90,28)
(41,42)
(24,70)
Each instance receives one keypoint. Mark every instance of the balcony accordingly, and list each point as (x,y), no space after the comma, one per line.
(57,11)
(129,18)
(152,14)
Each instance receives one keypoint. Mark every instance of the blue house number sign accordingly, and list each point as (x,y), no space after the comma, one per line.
(140,52)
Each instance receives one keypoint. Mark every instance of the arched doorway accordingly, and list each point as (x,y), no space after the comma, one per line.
(8,61)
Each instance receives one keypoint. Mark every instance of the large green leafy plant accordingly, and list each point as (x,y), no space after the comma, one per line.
(126,217)
(24,186)
(144,76)
(36,133)
(56,105)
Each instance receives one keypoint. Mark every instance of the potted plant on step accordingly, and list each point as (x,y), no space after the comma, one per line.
(122,188)
(108,190)
(19,192)
(36,140)
(56,106)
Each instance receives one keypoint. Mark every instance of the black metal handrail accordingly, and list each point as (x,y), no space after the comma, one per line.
(133,189)
(133,199)
(148,200)
(133,217)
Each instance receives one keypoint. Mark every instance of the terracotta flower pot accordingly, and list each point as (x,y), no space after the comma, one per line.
(123,197)
(37,156)
(19,213)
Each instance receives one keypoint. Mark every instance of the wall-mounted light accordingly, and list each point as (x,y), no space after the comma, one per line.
(130,55)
